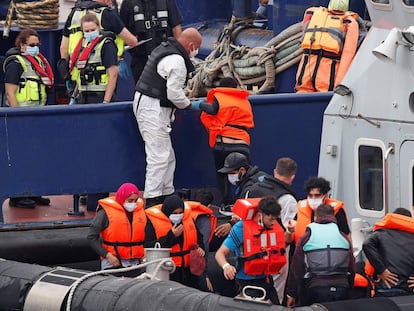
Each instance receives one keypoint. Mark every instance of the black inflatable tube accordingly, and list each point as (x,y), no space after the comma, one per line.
(111,293)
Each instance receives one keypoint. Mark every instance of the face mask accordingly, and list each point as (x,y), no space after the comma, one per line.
(193,53)
(91,35)
(32,50)
(130,206)
(314,203)
(176,218)
(233,178)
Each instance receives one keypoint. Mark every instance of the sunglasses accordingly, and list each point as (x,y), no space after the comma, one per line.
(34,44)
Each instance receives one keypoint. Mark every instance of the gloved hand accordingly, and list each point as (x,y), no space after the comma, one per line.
(123,69)
(195,105)
(72,101)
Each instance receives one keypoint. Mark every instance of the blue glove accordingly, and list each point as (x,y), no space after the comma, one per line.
(123,69)
(72,101)
(195,105)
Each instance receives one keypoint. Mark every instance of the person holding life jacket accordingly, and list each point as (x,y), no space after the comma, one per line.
(317,189)
(329,43)
(227,116)
(108,20)
(93,64)
(171,225)
(259,242)
(390,251)
(152,22)
(117,232)
(323,265)
(27,77)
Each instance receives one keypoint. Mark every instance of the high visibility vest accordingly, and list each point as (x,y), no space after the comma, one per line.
(92,76)
(263,250)
(305,215)
(121,238)
(31,91)
(162,225)
(198,209)
(233,118)
(75,30)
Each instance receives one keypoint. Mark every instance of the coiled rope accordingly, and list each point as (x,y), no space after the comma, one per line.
(43,14)
(250,66)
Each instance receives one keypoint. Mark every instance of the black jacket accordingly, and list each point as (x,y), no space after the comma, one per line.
(252,176)
(271,186)
(392,250)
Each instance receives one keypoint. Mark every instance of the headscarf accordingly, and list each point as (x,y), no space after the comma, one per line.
(125,191)
(171,203)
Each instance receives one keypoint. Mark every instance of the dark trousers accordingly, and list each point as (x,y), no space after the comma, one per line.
(326,293)
(220,152)
(265,283)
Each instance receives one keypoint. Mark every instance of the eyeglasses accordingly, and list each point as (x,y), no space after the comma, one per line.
(34,44)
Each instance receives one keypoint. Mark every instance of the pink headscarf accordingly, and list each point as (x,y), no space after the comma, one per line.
(125,191)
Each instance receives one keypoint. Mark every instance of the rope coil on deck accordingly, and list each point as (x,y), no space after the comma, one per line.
(43,14)
(250,66)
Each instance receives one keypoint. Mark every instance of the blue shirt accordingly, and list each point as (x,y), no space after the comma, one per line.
(234,242)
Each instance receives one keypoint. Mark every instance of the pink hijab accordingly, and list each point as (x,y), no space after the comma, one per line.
(125,191)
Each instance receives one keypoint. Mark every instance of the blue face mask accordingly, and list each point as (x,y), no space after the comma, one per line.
(32,50)
(91,35)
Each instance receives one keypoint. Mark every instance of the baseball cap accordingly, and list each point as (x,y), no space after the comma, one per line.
(233,161)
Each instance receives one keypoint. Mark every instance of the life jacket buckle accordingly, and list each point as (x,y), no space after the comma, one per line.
(148,24)
(81,64)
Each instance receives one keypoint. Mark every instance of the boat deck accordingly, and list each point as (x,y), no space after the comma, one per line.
(58,210)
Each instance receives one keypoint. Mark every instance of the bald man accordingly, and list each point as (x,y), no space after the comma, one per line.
(159,92)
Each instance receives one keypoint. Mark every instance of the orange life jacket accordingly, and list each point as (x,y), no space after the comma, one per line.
(263,250)
(119,238)
(162,224)
(305,215)
(198,209)
(394,222)
(397,222)
(233,118)
(329,43)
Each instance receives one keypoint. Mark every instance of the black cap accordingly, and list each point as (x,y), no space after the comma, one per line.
(234,161)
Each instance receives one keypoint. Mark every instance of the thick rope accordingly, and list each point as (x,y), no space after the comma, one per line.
(43,14)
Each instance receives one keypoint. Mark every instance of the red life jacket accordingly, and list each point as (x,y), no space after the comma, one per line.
(120,238)
(264,250)
(162,225)
(46,74)
(198,209)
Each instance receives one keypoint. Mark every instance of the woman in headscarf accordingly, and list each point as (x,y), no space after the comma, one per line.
(117,232)
(171,225)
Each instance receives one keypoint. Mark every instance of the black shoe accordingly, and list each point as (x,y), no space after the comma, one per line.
(22,202)
(40,200)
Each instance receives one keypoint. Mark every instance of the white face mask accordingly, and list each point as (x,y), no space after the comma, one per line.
(260,222)
(130,206)
(233,178)
(314,203)
(193,53)
(176,218)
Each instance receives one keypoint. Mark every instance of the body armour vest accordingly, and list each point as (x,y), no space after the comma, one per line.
(150,20)
(153,85)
